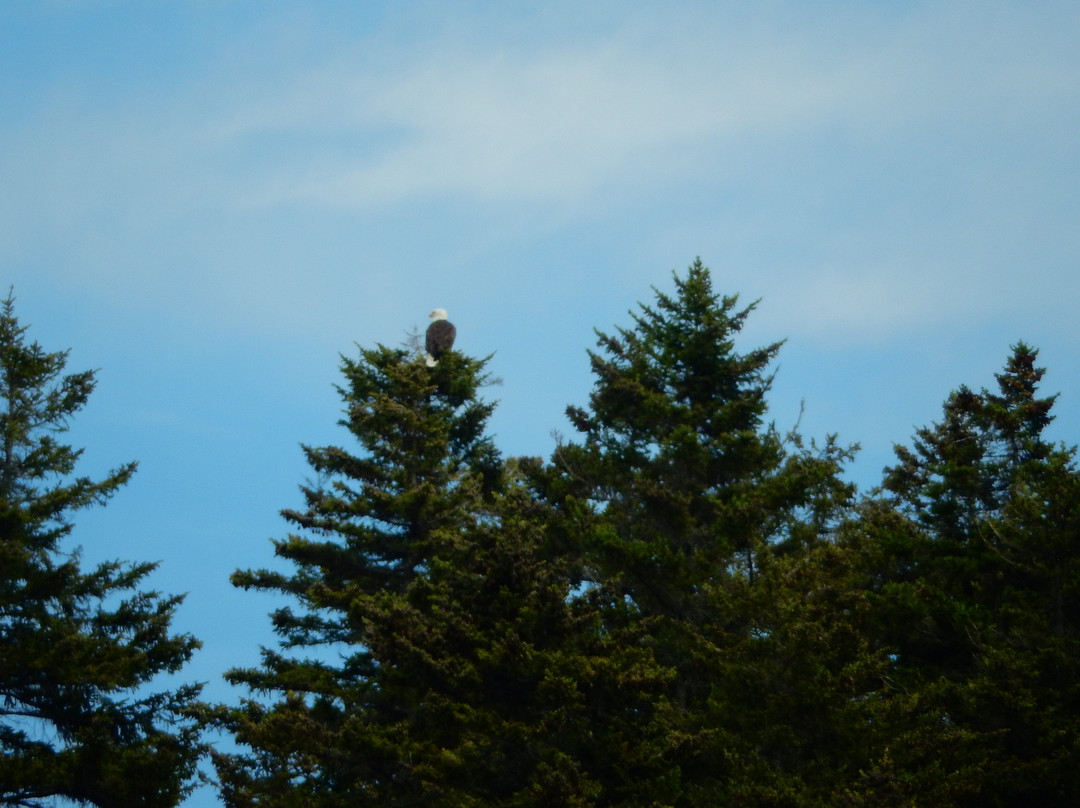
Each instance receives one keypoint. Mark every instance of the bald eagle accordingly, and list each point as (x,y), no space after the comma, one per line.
(440,337)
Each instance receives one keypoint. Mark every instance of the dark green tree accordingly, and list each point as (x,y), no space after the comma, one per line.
(78,650)
(687,508)
(432,659)
(978,597)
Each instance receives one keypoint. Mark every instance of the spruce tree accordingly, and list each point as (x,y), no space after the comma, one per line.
(683,502)
(979,599)
(79,650)
(431,659)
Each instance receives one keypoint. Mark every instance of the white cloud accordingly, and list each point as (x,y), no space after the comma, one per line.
(924,134)
(562,120)
(562,124)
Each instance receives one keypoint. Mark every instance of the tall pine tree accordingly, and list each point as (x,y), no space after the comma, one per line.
(681,499)
(79,650)
(438,663)
(978,596)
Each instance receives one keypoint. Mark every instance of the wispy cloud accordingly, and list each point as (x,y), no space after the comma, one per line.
(561,124)
(931,134)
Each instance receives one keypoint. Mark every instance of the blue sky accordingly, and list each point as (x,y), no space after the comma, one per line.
(210,202)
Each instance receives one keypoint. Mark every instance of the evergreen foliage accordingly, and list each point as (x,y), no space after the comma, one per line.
(686,606)
(433,614)
(78,650)
(688,509)
(977,555)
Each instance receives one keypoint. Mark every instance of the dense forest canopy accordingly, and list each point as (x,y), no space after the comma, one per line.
(681,606)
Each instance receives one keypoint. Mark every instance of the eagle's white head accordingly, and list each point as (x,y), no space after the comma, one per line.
(438,314)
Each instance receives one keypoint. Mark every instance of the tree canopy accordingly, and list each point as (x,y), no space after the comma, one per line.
(683,605)
(79,650)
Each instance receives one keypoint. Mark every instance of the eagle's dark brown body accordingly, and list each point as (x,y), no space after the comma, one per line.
(440,336)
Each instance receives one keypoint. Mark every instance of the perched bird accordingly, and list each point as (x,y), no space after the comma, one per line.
(440,337)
